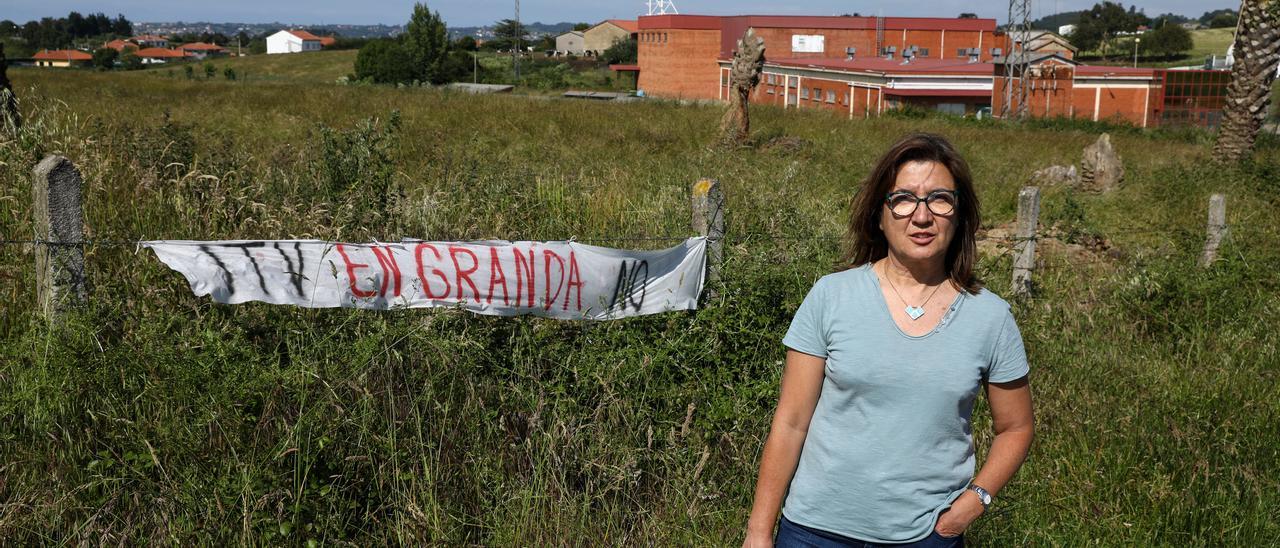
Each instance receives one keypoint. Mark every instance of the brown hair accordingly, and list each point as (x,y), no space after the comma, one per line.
(865,242)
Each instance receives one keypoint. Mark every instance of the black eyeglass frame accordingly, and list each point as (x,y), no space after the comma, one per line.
(955,201)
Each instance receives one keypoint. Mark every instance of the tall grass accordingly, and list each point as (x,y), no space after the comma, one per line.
(156,416)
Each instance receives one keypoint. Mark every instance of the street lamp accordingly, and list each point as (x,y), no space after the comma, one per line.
(1136,41)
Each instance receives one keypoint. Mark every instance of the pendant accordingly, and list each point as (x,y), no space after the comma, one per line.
(915,312)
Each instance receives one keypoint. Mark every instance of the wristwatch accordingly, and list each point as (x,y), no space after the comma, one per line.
(983,495)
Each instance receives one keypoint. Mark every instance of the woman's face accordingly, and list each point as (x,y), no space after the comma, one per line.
(922,236)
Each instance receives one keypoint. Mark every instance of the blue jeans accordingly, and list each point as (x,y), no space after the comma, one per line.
(794,535)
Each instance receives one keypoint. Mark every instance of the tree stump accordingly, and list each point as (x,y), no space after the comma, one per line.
(10,119)
(1102,169)
(748,62)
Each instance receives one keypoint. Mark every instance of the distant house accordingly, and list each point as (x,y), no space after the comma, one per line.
(1041,41)
(120,46)
(570,43)
(600,37)
(1193,25)
(293,41)
(150,41)
(326,41)
(155,56)
(201,50)
(61,58)
(1066,30)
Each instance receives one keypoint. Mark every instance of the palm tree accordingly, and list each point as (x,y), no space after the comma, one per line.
(1257,53)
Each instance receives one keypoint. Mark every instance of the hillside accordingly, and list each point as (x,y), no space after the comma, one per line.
(151,415)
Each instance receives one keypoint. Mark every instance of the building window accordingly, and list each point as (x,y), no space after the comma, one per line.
(831,96)
(769,91)
(664,37)
(962,52)
(804,93)
(817,94)
(924,52)
(846,99)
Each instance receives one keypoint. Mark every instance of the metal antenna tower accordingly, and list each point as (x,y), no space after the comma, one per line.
(661,7)
(515,52)
(1017,63)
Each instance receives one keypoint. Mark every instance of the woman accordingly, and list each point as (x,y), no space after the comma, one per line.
(871,442)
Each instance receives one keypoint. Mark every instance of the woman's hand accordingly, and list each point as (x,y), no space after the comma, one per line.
(760,540)
(955,520)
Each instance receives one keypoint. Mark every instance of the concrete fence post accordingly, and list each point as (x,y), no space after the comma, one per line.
(1217,229)
(1024,261)
(708,220)
(59,227)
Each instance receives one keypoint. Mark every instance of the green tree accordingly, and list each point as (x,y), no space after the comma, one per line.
(189,72)
(384,62)
(622,51)
(105,58)
(1102,22)
(581,26)
(1168,40)
(131,62)
(209,70)
(507,32)
(229,73)
(466,43)
(426,41)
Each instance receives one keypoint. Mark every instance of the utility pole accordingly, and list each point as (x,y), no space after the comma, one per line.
(1136,41)
(515,53)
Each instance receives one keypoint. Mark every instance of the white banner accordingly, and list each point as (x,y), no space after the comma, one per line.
(565,280)
(808,43)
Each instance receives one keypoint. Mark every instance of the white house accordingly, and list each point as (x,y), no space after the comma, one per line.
(570,43)
(292,41)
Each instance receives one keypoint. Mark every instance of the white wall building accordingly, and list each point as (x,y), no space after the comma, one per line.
(570,43)
(292,41)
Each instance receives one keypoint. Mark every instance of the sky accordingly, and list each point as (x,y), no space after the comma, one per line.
(461,13)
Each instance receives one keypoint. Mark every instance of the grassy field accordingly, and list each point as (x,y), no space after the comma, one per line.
(1205,43)
(540,76)
(155,416)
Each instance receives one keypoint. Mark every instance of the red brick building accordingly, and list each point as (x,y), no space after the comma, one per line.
(863,66)
(678,54)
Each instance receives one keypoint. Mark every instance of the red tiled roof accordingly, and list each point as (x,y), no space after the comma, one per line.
(326,41)
(149,38)
(62,55)
(304,35)
(629,25)
(201,46)
(625,68)
(120,45)
(161,53)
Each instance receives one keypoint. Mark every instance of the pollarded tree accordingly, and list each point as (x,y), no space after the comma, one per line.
(1257,53)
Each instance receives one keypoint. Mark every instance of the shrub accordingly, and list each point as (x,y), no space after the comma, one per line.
(384,62)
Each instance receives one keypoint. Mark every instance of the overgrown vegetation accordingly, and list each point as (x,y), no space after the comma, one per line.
(154,416)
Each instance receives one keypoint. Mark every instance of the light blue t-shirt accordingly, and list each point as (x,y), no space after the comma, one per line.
(890,444)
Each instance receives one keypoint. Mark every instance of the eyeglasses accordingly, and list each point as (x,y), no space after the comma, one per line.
(904,204)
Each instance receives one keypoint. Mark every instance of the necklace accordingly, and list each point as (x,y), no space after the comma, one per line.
(914,311)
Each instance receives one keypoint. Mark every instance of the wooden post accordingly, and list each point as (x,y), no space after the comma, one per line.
(1217,229)
(59,224)
(1024,262)
(708,220)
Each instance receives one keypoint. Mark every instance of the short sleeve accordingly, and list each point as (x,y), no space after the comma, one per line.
(1009,357)
(808,331)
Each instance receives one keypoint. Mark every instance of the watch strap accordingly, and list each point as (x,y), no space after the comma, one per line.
(983,496)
